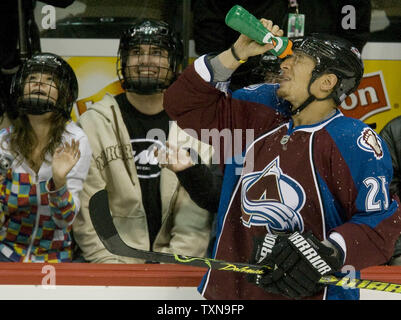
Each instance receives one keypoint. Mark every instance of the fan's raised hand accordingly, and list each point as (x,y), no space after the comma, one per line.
(64,159)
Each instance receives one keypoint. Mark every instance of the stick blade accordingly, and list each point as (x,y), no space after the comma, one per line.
(100,215)
(102,221)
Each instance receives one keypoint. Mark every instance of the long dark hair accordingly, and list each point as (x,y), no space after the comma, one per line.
(23,140)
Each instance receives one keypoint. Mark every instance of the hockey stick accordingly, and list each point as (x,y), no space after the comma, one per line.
(108,234)
(103,223)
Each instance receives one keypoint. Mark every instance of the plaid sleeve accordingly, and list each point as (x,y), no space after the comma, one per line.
(61,203)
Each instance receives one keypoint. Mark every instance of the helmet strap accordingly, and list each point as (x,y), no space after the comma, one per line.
(307,102)
(310,99)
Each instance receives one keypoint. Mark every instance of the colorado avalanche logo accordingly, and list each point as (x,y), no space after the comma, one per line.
(368,141)
(272,199)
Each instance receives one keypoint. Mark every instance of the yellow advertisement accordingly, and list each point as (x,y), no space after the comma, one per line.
(376,101)
(96,77)
(391,84)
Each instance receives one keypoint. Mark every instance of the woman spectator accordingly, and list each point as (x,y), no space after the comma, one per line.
(45,161)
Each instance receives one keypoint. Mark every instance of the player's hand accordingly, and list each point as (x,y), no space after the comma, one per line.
(300,261)
(64,159)
(174,158)
(262,255)
(245,47)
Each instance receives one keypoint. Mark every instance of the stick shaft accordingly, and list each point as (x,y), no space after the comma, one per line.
(108,234)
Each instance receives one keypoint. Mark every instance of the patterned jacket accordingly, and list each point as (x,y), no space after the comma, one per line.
(35,218)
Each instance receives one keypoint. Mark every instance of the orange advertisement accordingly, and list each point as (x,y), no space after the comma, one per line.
(390,71)
(370,98)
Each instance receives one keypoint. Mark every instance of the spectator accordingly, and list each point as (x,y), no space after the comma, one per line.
(151,210)
(49,158)
(211,34)
(391,133)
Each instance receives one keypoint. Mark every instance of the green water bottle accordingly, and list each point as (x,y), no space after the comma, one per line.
(242,21)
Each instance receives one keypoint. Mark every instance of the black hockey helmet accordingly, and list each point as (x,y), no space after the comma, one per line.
(31,94)
(332,55)
(155,33)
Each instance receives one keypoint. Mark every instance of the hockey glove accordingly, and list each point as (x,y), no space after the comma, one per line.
(261,255)
(300,262)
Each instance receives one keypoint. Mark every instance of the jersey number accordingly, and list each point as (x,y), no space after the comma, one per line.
(372,204)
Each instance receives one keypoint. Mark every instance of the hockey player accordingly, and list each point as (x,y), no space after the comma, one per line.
(149,206)
(48,158)
(316,182)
